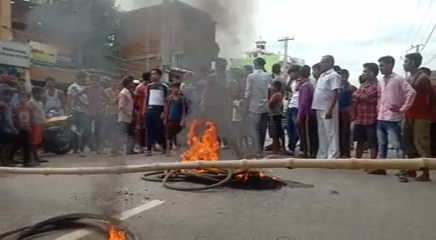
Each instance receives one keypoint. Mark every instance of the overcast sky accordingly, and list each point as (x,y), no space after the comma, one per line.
(354,32)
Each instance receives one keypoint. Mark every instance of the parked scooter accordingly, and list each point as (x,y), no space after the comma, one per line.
(58,134)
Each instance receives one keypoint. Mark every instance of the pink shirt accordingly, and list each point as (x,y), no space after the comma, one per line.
(394,91)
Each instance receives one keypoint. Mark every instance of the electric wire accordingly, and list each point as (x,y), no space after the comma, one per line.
(431,59)
(423,19)
(418,3)
(428,38)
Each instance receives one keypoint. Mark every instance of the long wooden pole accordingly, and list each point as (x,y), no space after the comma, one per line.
(352,164)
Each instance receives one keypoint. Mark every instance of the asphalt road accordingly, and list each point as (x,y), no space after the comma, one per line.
(332,205)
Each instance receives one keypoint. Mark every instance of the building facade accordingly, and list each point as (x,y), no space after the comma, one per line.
(270,57)
(52,55)
(192,39)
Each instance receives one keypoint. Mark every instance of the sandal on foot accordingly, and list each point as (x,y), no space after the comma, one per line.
(403,179)
(423,178)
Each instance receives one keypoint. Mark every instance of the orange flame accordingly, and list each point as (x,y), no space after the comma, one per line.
(206,148)
(115,234)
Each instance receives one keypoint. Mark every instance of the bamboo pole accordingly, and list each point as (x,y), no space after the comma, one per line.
(352,164)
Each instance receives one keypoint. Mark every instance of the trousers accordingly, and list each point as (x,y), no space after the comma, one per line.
(328,135)
(389,132)
(258,125)
(416,138)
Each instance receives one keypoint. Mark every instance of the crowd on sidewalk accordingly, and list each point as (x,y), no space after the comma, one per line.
(317,107)
(325,114)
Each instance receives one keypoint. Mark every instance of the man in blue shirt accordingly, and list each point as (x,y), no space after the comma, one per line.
(344,101)
(7,129)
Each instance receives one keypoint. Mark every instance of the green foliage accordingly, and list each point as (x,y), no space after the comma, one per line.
(88,26)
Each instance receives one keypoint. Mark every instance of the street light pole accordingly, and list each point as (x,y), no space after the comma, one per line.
(286,41)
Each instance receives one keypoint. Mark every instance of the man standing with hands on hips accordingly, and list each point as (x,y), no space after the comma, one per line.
(395,98)
(325,102)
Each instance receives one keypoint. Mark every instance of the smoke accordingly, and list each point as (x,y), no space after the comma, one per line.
(235,21)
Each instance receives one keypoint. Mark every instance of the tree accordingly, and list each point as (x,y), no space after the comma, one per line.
(87,26)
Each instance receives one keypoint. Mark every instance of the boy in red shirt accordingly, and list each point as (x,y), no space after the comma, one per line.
(22,120)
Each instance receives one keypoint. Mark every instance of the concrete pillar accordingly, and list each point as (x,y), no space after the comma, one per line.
(5,20)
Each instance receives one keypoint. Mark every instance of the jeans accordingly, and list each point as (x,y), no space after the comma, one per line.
(388,131)
(95,124)
(80,137)
(110,123)
(123,129)
(345,132)
(128,131)
(292,129)
(258,124)
(155,129)
(22,141)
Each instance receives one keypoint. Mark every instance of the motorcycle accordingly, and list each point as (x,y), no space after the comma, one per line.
(58,134)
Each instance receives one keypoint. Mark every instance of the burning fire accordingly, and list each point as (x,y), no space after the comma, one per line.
(115,234)
(205,148)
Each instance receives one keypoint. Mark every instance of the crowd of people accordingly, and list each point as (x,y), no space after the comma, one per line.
(324,115)
(319,110)
(102,117)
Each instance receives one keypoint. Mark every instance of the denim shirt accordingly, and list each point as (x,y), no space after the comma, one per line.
(5,118)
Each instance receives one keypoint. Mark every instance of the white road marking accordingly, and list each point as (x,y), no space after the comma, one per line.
(78,234)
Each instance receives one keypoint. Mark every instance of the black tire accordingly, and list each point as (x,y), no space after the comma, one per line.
(62,145)
(62,150)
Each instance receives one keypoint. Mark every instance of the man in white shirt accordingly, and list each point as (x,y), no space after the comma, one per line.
(256,95)
(325,102)
(76,107)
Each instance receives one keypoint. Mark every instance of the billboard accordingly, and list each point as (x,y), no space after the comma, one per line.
(44,54)
(15,54)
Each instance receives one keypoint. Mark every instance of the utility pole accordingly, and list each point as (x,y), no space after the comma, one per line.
(5,20)
(165,38)
(417,47)
(286,41)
